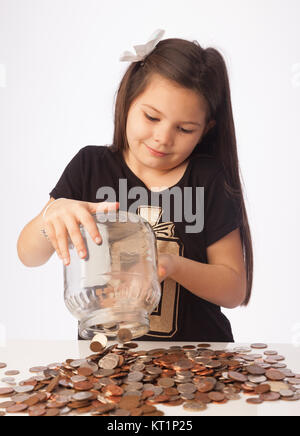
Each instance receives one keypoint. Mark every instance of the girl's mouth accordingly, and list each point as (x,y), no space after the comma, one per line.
(155,152)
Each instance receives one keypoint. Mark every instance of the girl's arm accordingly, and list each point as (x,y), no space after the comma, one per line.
(32,246)
(222,281)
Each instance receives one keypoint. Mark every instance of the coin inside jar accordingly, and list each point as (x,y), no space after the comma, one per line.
(124,335)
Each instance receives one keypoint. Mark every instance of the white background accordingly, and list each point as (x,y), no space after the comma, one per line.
(59,72)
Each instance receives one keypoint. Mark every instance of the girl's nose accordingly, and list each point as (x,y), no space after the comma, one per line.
(163,135)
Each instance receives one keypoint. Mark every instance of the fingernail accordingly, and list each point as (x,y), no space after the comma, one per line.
(66,261)
(81,254)
(98,240)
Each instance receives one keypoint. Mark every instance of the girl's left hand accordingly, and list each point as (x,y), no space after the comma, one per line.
(166,266)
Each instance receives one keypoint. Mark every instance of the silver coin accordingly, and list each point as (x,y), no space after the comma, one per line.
(135,376)
(64,410)
(23,389)
(65,383)
(242,350)
(137,367)
(187,388)
(104,372)
(134,386)
(8,380)
(183,380)
(183,374)
(148,387)
(79,396)
(77,363)
(229,390)
(225,375)
(191,353)
(293,381)
(20,398)
(279,365)
(153,370)
(251,357)
(104,381)
(91,365)
(78,378)
(257,378)
(265,365)
(41,377)
(186,396)
(286,393)
(157,390)
(108,363)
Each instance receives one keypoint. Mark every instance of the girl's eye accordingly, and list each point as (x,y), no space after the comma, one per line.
(155,119)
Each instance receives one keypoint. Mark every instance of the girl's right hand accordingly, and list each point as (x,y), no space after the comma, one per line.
(65,216)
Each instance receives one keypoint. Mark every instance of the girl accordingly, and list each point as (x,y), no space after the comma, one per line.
(174,129)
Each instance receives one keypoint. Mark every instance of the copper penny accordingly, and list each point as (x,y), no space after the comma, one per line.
(16,408)
(6,391)
(274,374)
(270,396)
(6,404)
(254,400)
(262,389)
(83,386)
(259,346)
(255,370)
(12,372)
(237,376)
(216,396)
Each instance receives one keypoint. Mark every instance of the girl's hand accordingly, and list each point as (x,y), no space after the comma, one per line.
(64,217)
(166,266)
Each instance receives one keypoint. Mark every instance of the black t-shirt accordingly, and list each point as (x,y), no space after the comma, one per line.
(180,315)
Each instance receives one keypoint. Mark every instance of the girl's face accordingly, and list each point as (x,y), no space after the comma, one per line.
(164,125)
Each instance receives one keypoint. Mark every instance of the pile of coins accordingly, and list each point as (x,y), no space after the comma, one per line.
(121,381)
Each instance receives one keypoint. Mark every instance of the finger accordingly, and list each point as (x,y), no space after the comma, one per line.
(90,225)
(103,206)
(52,238)
(161,273)
(73,230)
(62,240)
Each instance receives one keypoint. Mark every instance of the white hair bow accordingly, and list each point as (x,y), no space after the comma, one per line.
(143,50)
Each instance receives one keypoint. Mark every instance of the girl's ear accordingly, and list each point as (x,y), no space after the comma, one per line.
(209,126)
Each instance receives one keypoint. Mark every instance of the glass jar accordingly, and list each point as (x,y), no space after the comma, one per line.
(116,286)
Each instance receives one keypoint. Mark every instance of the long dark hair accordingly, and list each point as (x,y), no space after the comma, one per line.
(205,72)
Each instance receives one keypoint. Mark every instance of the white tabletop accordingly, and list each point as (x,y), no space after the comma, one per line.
(22,355)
